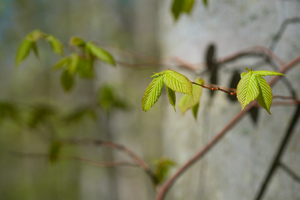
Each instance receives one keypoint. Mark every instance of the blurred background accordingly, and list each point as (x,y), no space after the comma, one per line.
(35,111)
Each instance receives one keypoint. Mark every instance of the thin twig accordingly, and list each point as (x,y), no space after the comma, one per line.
(80,159)
(216,88)
(165,188)
(119,147)
(289,171)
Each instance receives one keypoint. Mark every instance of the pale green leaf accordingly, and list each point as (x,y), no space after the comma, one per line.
(67,80)
(152,92)
(172,97)
(243,74)
(195,109)
(35,35)
(265,96)
(61,63)
(56,45)
(268,73)
(23,51)
(187,102)
(181,6)
(247,89)
(177,82)
(101,53)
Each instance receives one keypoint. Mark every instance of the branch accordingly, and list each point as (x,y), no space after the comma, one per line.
(217,88)
(118,147)
(165,188)
(81,159)
(289,171)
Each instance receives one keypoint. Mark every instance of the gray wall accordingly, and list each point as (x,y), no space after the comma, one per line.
(235,168)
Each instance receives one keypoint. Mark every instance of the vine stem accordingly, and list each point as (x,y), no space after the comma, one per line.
(162,191)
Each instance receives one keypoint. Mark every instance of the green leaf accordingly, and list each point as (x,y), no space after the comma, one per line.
(56,45)
(195,109)
(162,169)
(243,74)
(187,102)
(85,69)
(268,73)
(67,80)
(74,63)
(100,53)
(54,151)
(181,6)
(77,41)
(265,96)
(247,89)
(205,2)
(35,35)
(172,97)
(106,97)
(35,49)
(61,63)
(177,82)
(23,51)
(8,111)
(152,92)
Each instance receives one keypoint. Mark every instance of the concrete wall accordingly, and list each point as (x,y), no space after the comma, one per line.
(235,168)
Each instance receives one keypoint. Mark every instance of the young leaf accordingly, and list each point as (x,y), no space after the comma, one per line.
(100,53)
(265,96)
(35,35)
(187,102)
(180,6)
(80,113)
(195,109)
(177,82)
(172,97)
(152,92)
(163,166)
(23,50)
(61,63)
(40,114)
(67,80)
(85,69)
(247,89)
(56,45)
(268,73)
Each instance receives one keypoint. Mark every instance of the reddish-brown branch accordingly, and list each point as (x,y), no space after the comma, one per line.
(165,188)
(119,147)
(217,88)
(81,159)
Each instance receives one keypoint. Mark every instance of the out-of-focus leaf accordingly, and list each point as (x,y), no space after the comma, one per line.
(35,35)
(205,2)
(254,112)
(35,49)
(187,102)
(195,109)
(172,97)
(40,114)
(79,114)
(9,111)
(74,63)
(85,69)
(100,53)
(61,63)
(67,80)
(77,41)
(181,6)
(23,51)
(54,151)
(56,45)
(162,168)
(236,77)
(152,92)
